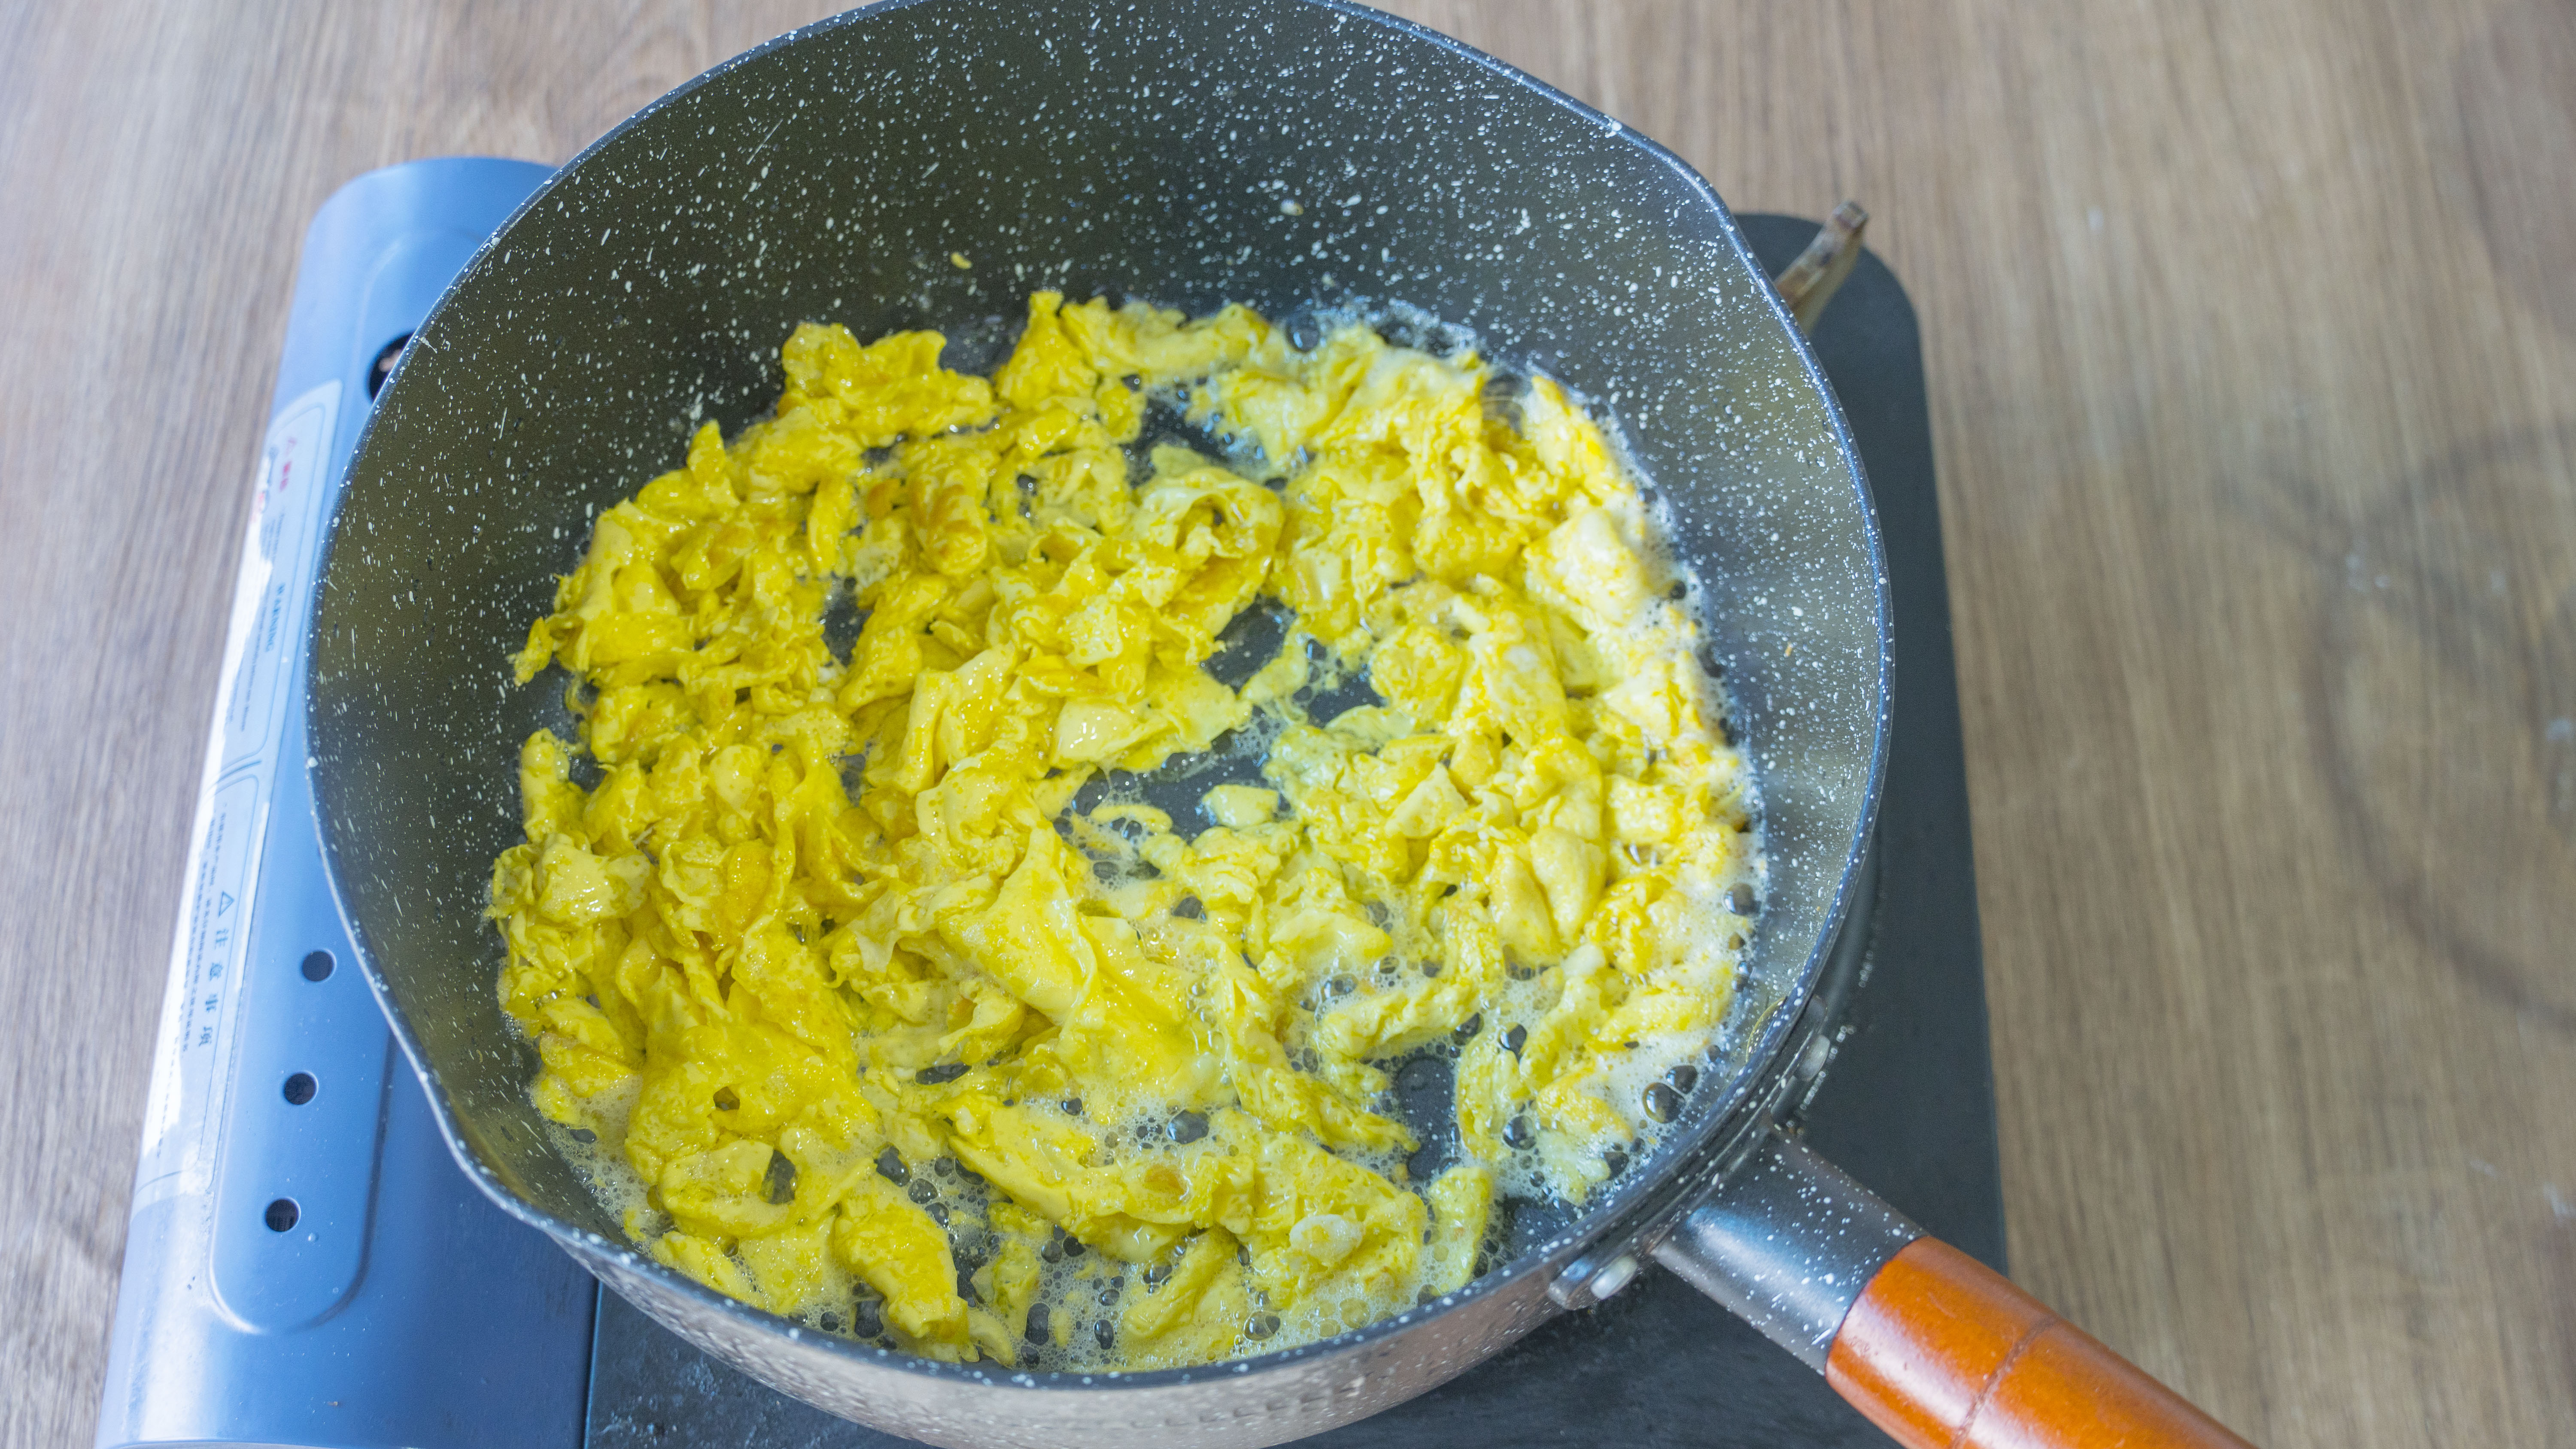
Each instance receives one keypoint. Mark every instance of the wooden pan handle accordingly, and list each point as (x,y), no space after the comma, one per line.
(1943,1352)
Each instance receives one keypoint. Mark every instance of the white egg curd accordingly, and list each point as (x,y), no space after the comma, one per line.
(858,1013)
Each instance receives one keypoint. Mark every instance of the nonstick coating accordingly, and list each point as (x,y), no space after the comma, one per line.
(1284,153)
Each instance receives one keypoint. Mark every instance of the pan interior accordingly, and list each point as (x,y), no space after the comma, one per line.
(1283,154)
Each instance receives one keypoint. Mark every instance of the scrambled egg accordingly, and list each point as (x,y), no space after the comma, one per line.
(873,1026)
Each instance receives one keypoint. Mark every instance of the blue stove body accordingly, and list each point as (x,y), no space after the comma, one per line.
(305,1264)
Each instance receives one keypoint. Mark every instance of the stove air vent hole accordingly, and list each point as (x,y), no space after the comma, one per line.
(317,966)
(299,1089)
(282,1215)
(383,367)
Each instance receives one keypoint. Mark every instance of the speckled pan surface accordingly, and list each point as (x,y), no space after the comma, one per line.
(1286,153)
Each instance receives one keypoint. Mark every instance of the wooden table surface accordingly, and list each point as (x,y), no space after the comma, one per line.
(2252,350)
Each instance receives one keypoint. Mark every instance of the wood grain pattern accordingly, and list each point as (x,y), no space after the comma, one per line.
(2253,368)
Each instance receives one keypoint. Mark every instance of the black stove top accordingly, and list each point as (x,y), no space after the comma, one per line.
(1907,1108)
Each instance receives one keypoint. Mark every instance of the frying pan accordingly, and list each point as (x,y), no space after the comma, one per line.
(1286,153)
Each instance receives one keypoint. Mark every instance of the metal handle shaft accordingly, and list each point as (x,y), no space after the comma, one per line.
(1787,1243)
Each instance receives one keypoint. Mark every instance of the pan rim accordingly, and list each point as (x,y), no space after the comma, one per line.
(1627,1205)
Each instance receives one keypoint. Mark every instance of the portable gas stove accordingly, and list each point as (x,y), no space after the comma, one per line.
(306,1266)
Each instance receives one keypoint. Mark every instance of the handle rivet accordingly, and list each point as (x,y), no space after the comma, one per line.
(1616,1274)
